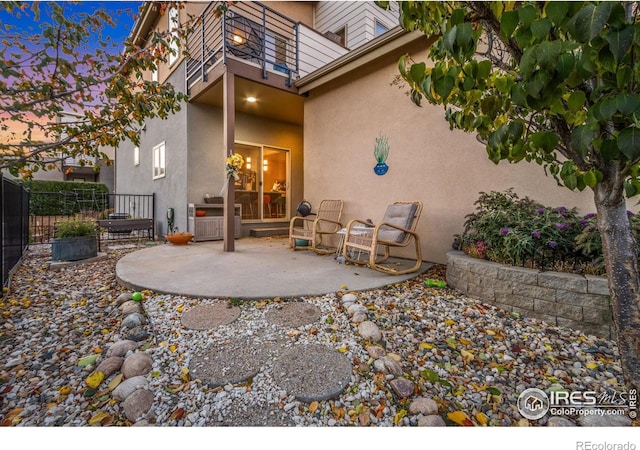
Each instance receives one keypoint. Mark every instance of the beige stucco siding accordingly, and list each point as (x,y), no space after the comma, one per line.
(444,169)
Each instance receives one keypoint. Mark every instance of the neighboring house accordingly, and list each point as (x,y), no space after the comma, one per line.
(303,89)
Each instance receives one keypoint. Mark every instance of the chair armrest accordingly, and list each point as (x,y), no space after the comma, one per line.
(317,222)
(390,225)
(355,222)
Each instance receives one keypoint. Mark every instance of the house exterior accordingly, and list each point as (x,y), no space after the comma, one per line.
(302,90)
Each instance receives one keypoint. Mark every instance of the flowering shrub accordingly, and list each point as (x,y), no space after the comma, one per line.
(511,230)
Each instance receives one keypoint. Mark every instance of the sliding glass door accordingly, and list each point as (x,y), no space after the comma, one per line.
(264,183)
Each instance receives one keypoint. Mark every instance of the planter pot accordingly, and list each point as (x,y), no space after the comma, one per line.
(301,243)
(381,168)
(179,238)
(74,248)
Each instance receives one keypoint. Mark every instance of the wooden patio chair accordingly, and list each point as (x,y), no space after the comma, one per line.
(314,231)
(397,229)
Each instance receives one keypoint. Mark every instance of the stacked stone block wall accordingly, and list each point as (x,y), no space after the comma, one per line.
(576,301)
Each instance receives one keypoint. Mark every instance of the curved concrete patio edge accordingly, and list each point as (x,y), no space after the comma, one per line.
(258,268)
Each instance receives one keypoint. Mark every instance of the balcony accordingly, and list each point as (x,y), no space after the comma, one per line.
(259,36)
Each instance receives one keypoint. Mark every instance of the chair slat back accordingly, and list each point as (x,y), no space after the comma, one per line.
(330,210)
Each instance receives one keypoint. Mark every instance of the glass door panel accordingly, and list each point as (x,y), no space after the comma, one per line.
(275,183)
(247,188)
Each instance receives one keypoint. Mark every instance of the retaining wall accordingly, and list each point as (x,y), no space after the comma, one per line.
(580,302)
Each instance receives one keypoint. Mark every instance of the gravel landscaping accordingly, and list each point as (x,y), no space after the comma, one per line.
(418,356)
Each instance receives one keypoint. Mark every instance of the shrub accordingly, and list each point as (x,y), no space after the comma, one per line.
(57,198)
(75,228)
(508,229)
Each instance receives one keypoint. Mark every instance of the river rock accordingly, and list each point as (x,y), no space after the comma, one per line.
(388,365)
(402,387)
(121,348)
(431,421)
(425,406)
(139,363)
(557,421)
(137,404)
(370,331)
(128,387)
(349,299)
(133,320)
(375,351)
(110,365)
(130,308)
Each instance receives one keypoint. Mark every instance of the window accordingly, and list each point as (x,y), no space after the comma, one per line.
(154,74)
(136,156)
(380,29)
(159,167)
(173,43)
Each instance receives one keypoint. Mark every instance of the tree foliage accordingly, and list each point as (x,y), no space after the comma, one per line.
(67,90)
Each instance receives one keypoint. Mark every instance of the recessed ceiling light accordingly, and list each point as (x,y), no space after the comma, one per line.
(251,99)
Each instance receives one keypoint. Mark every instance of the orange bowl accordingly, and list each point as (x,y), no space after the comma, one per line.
(201,213)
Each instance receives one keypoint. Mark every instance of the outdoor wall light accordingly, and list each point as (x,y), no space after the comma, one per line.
(238,40)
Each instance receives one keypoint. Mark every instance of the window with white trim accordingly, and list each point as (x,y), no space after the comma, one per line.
(173,43)
(159,167)
(380,28)
(136,156)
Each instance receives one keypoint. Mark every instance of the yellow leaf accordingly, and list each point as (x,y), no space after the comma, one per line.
(180,308)
(399,416)
(460,418)
(313,407)
(97,350)
(343,287)
(426,345)
(163,344)
(467,354)
(94,380)
(490,332)
(591,365)
(482,419)
(115,382)
(98,417)
(65,390)
(342,349)
(173,347)
(449,322)
(464,341)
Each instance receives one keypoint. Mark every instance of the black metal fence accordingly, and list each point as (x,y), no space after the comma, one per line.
(48,208)
(14,233)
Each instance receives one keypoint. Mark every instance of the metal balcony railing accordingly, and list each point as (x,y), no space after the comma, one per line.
(254,33)
(249,31)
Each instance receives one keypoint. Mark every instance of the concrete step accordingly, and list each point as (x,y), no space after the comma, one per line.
(267,232)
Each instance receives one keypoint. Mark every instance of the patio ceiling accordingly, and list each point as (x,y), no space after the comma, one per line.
(270,102)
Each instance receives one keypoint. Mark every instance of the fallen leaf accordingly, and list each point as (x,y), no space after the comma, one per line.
(364,419)
(399,416)
(313,407)
(449,322)
(461,418)
(94,380)
(451,342)
(86,360)
(97,350)
(98,417)
(177,414)
(426,346)
(467,355)
(591,365)
(173,347)
(115,382)
(464,341)
(482,419)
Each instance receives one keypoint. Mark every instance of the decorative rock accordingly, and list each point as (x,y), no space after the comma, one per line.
(121,348)
(375,351)
(431,421)
(356,308)
(349,299)
(402,387)
(139,363)
(137,334)
(557,421)
(13,363)
(395,356)
(110,366)
(134,320)
(370,331)
(128,387)
(595,420)
(122,298)
(359,317)
(425,406)
(130,307)
(137,404)
(388,365)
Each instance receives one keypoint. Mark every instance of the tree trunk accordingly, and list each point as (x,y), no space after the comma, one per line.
(621,261)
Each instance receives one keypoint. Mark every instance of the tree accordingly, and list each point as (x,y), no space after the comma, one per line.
(67,66)
(557,83)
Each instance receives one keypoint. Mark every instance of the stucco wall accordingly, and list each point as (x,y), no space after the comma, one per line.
(444,169)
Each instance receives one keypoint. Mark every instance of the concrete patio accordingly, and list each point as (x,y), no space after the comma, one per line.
(258,268)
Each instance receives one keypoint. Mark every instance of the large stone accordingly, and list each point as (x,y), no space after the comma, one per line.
(425,406)
(139,363)
(128,387)
(402,387)
(138,404)
(110,365)
(359,317)
(130,308)
(349,299)
(557,421)
(356,308)
(375,351)
(388,365)
(133,320)
(370,331)
(121,348)
(431,421)
(122,298)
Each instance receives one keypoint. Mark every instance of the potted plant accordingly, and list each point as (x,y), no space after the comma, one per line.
(74,239)
(178,238)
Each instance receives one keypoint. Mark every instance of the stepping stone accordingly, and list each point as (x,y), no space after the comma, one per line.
(207,317)
(231,362)
(312,372)
(294,314)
